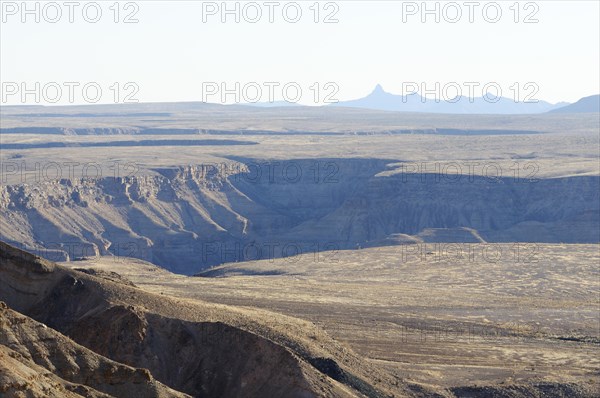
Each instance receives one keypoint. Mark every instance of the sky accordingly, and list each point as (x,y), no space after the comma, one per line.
(184,51)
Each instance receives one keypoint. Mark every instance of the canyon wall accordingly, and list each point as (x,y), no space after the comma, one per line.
(189,218)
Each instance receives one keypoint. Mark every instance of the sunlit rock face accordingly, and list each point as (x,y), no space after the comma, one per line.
(189,218)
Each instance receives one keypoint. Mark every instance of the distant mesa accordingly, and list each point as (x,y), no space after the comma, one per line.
(381,100)
(589,104)
(129,143)
(272,104)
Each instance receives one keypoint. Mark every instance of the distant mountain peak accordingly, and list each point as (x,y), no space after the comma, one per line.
(589,104)
(378,90)
(379,99)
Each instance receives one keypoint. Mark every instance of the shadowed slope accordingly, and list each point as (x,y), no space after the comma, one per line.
(197,348)
(42,362)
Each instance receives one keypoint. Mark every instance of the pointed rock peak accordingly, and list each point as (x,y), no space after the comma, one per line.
(378,90)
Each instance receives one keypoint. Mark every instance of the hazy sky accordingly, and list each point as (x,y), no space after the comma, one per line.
(170,52)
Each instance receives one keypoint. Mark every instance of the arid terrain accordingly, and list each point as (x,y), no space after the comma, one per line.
(201,250)
(179,205)
(360,341)
(455,313)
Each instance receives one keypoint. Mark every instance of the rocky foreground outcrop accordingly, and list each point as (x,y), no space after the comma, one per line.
(133,337)
(38,361)
(68,333)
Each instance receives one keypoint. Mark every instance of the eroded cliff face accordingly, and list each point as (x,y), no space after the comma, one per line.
(133,338)
(192,217)
(37,361)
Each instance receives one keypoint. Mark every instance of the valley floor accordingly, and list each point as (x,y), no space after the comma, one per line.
(528,313)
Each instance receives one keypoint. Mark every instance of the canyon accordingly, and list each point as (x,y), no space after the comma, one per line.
(189,218)
(194,250)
